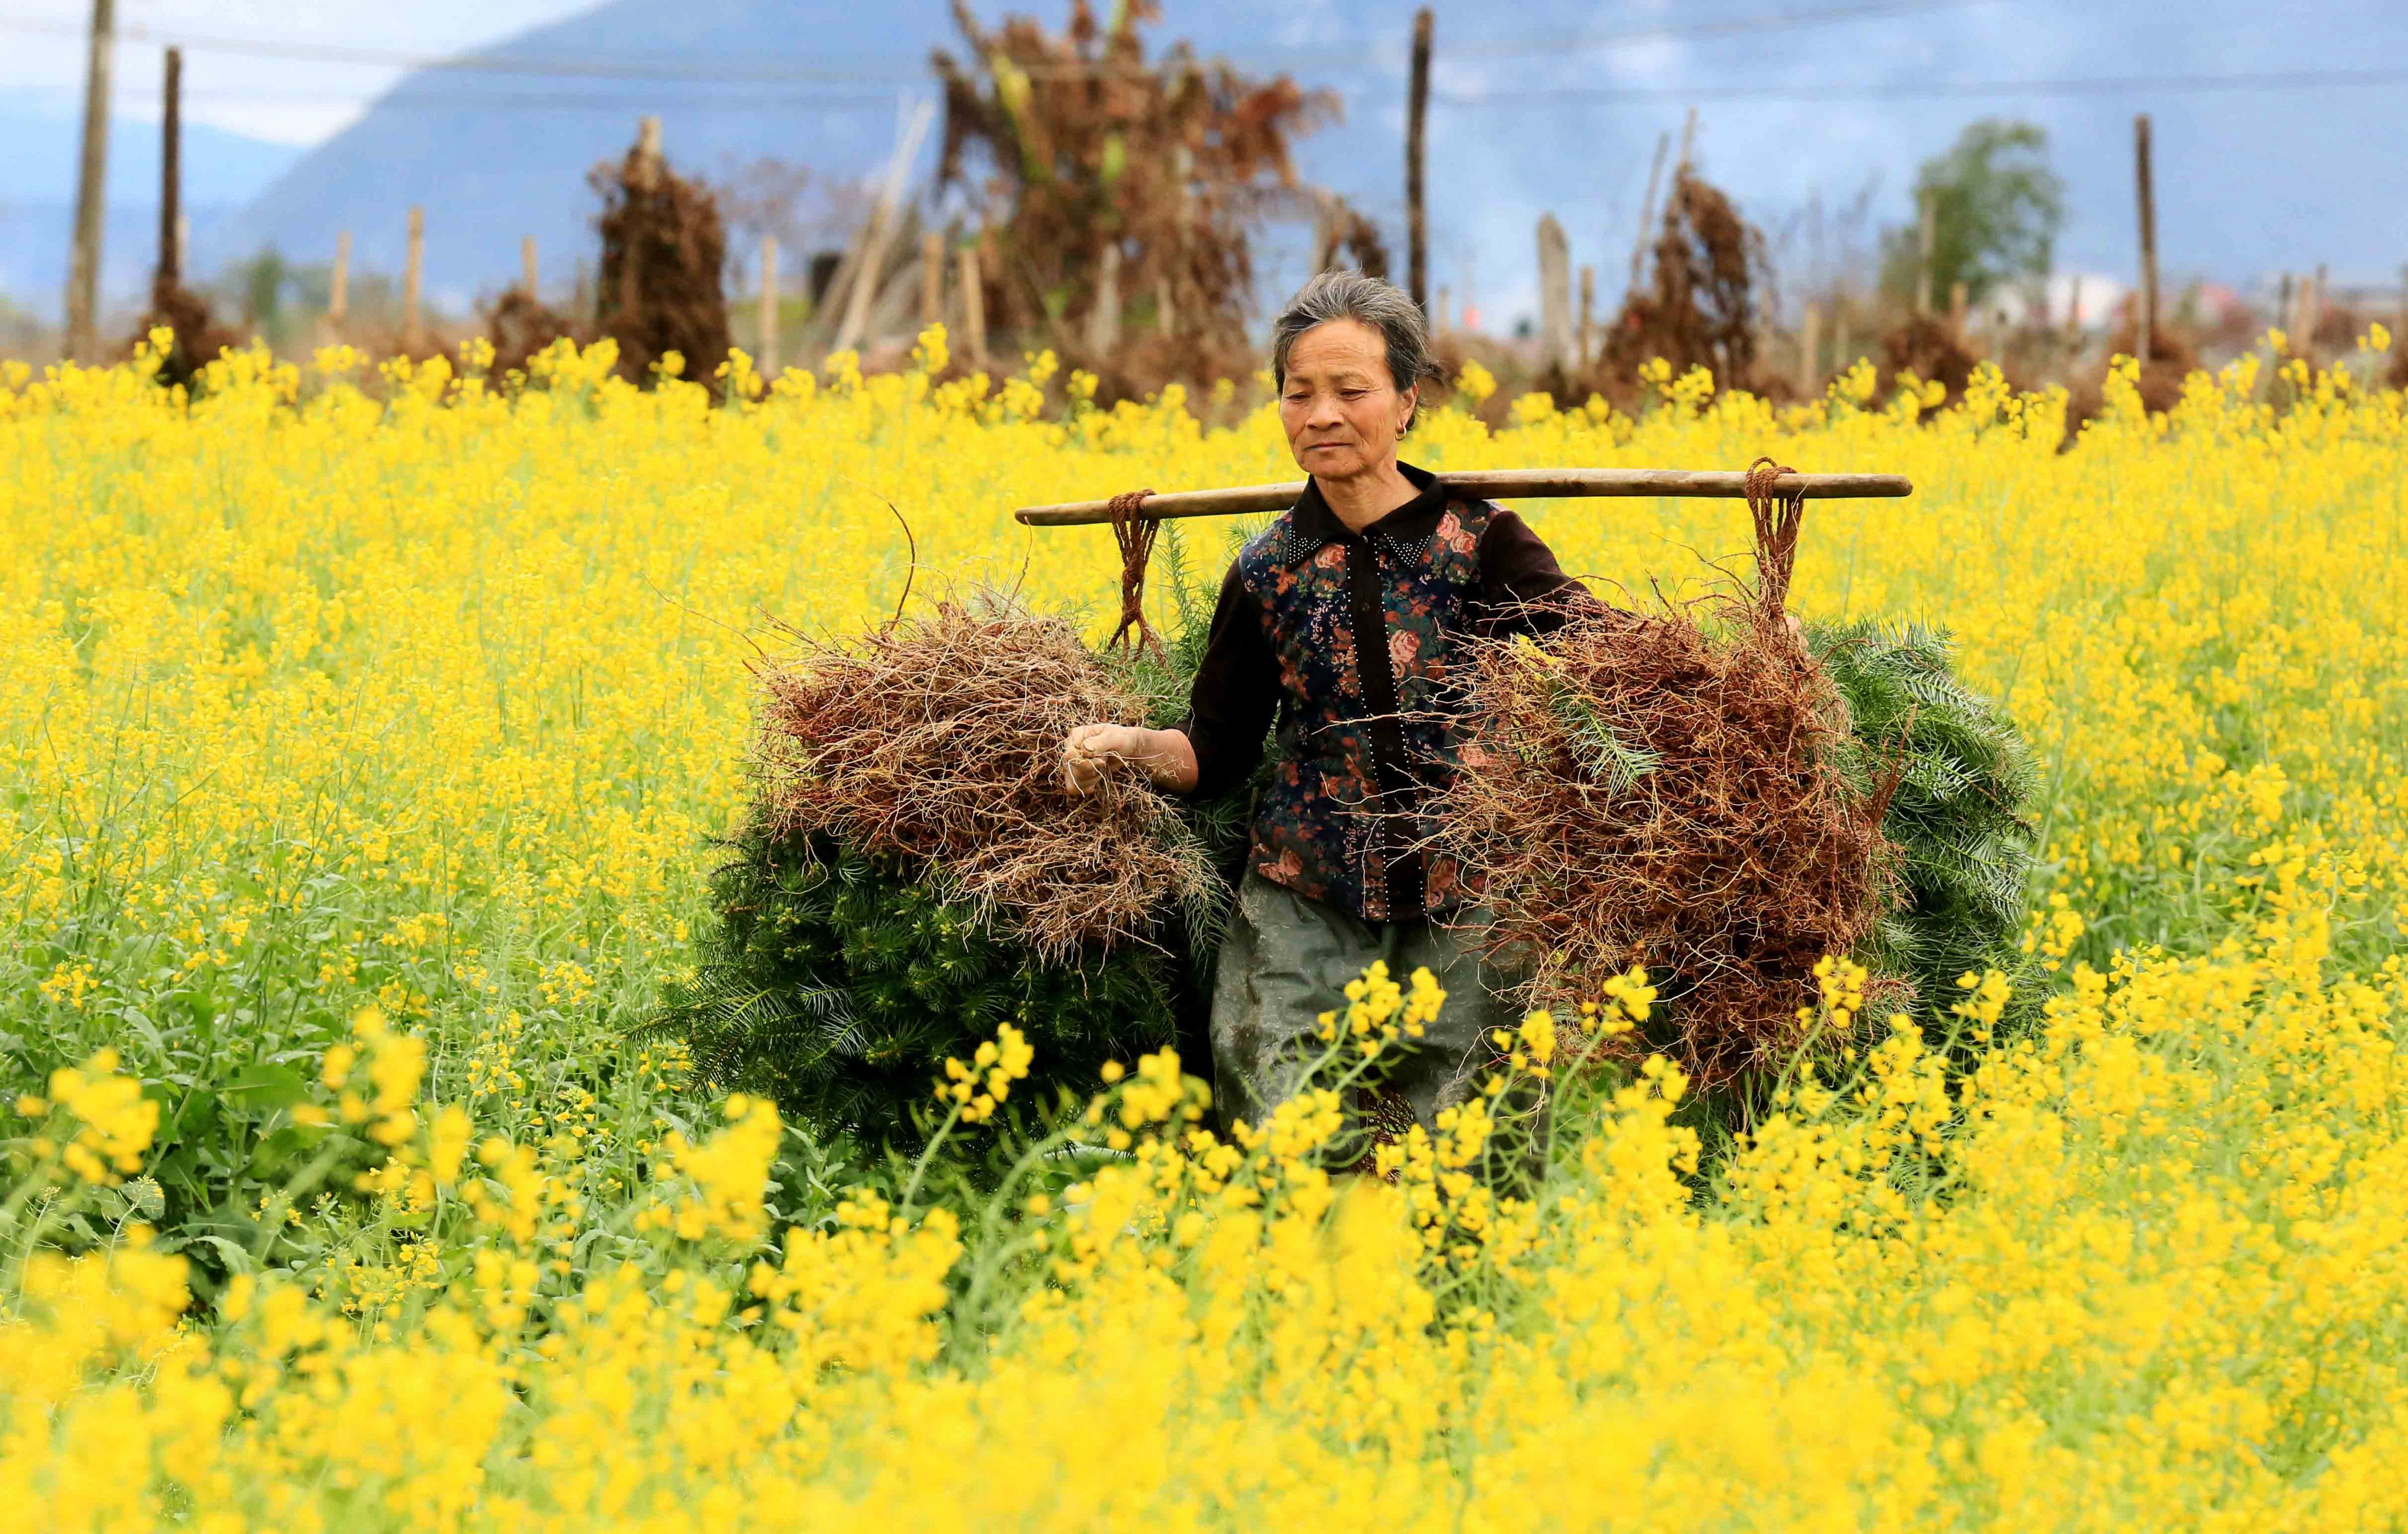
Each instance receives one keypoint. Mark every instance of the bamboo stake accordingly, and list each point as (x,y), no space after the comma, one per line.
(338,288)
(932,279)
(529,271)
(1587,332)
(1104,319)
(1494,483)
(413,333)
(768,311)
(1555,294)
(1810,340)
(886,212)
(973,305)
(1647,206)
(1927,245)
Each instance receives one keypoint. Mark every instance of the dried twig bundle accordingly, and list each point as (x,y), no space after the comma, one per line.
(1642,791)
(939,739)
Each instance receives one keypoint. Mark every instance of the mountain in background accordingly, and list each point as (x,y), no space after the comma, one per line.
(1525,120)
(223,171)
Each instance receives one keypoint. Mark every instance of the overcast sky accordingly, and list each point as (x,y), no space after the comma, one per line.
(42,55)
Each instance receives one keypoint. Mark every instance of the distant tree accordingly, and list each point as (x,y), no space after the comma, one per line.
(261,280)
(1996,209)
(1702,300)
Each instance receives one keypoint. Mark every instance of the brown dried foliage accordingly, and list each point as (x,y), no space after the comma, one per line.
(1701,300)
(199,338)
(938,740)
(2173,356)
(521,327)
(1932,350)
(1729,867)
(664,249)
(1087,141)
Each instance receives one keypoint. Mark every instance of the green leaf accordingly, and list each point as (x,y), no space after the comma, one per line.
(264,1088)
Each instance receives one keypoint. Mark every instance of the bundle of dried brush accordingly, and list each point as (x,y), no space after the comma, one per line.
(1674,791)
(938,740)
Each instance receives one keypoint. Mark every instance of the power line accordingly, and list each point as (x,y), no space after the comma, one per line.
(906,71)
(730,100)
(2296,79)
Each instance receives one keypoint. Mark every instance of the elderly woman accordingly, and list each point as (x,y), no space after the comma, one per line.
(1343,620)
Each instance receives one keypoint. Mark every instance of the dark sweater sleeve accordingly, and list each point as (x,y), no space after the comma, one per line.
(1235,693)
(1521,588)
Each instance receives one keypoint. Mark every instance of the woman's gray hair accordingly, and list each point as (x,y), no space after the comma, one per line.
(1342,294)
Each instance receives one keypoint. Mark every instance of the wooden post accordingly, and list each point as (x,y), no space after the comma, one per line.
(171,177)
(1555,294)
(932,279)
(1956,292)
(648,153)
(1416,130)
(413,331)
(1104,319)
(530,274)
(1689,142)
(1647,206)
(1927,249)
(767,339)
(92,174)
(642,175)
(2145,320)
(1810,337)
(1587,336)
(338,286)
(973,306)
(1840,358)
(884,214)
(1166,317)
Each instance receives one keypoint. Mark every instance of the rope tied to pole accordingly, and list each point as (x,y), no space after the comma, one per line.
(1135,534)
(1777,518)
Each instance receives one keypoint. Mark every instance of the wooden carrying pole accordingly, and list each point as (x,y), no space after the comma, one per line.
(1490,483)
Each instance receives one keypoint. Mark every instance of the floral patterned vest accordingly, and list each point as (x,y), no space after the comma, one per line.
(1366,627)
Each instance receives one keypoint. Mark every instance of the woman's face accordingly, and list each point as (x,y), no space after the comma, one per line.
(1342,410)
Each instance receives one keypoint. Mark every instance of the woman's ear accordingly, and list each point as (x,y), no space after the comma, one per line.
(1410,402)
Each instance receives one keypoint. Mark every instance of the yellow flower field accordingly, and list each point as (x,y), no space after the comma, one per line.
(361,752)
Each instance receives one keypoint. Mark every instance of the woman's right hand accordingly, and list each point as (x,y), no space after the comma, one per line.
(1088,752)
